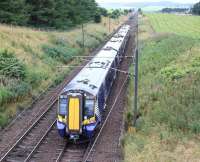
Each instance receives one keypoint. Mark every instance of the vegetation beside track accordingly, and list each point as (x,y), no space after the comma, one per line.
(169,97)
(29,61)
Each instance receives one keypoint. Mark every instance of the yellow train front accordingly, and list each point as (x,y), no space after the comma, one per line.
(76,115)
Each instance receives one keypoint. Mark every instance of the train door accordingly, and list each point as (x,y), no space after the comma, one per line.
(75,113)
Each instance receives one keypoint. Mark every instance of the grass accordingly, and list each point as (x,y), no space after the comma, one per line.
(169,80)
(178,24)
(34,58)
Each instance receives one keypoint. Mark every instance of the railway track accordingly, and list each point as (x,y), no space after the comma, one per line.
(30,140)
(73,152)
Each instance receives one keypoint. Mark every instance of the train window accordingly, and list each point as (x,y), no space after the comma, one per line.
(63,106)
(89,108)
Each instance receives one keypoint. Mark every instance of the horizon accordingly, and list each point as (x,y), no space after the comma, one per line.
(146,1)
(146,5)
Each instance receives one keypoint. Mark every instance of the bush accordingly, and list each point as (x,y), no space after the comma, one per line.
(60,53)
(20,90)
(59,42)
(10,66)
(3,119)
(172,73)
(97,18)
(5,95)
(90,41)
(34,78)
(196,62)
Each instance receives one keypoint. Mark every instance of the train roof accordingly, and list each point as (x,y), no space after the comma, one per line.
(91,77)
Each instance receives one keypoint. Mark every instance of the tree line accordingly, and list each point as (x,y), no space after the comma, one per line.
(48,13)
(56,14)
(171,10)
(196,9)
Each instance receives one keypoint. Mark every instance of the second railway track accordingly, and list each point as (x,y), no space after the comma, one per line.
(28,142)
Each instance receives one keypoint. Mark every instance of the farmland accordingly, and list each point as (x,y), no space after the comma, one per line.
(29,60)
(177,24)
(169,94)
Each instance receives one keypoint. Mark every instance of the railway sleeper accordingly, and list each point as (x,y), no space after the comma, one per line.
(13,160)
(26,142)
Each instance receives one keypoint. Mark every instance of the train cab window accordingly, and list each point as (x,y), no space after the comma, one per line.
(89,108)
(63,106)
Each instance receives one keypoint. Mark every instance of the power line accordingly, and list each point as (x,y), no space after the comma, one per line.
(101,57)
(97,67)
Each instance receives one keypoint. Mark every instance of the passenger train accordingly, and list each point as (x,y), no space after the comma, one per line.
(82,102)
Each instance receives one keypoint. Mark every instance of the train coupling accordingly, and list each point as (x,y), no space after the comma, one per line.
(74,137)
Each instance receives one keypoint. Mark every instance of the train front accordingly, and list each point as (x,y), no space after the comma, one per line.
(76,115)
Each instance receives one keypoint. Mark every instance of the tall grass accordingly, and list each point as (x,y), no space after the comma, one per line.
(169,78)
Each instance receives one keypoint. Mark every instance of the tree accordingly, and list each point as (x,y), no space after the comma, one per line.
(97,17)
(42,12)
(126,11)
(196,9)
(140,11)
(59,14)
(115,14)
(61,19)
(171,10)
(103,11)
(13,12)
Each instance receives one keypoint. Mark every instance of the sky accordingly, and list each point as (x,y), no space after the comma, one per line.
(125,1)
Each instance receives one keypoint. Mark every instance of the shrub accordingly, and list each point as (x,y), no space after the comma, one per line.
(60,53)
(90,41)
(5,95)
(10,66)
(20,90)
(195,126)
(172,73)
(3,119)
(59,42)
(97,18)
(34,78)
(196,62)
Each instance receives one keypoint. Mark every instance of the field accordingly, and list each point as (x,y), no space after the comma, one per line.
(169,77)
(178,24)
(29,60)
